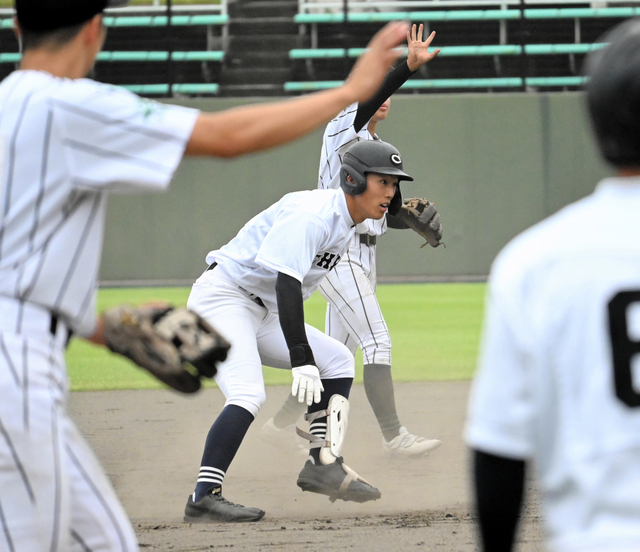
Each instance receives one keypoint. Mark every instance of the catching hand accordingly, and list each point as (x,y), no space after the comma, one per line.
(422,217)
(174,344)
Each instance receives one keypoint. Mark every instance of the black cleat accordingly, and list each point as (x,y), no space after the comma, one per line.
(337,481)
(213,508)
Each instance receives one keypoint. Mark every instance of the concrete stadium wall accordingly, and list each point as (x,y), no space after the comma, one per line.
(493,164)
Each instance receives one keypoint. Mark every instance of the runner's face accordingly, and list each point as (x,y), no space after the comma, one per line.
(375,200)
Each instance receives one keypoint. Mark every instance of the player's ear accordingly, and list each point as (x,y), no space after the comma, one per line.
(17,31)
(92,31)
(16,28)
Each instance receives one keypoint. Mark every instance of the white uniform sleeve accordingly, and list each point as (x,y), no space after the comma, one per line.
(292,243)
(117,141)
(501,405)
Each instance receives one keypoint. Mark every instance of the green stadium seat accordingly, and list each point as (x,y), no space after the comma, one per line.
(485,50)
(10,57)
(509,82)
(499,82)
(383,17)
(214,55)
(468,15)
(162,20)
(162,89)
(541,49)
(580,13)
(149,20)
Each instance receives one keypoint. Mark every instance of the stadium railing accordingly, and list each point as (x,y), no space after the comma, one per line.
(209,55)
(489,83)
(448,51)
(211,15)
(312,15)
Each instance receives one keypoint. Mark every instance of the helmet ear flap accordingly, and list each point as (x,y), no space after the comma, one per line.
(359,184)
(396,202)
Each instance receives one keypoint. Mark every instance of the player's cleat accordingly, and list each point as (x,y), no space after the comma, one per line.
(407,444)
(337,481)
(214,508)
(285,438)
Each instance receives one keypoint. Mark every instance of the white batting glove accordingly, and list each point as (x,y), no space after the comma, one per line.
(306,384)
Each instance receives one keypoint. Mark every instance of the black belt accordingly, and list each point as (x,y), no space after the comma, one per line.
(367,239)
(53,328)
(251,296)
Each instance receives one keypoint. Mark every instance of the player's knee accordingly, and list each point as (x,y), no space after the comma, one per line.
(251,401)
(339,364)
(377,351)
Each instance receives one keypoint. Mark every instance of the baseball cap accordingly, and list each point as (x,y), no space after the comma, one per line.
(49,15)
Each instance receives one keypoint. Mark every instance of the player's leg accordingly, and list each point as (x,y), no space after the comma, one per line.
(34,498)
(278,430)
(98,520)
(240,379)
(324,472)
(46,477)
(350,291)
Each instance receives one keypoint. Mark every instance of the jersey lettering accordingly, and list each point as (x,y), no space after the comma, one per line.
(326,260)
(623,346)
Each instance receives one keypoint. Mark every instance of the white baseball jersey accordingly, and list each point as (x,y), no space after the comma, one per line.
(303,235)
(63,145)
(559,374)
(83,139)
(339,136)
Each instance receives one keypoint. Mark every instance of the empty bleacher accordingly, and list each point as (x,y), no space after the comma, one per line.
(141,41)
(485,44)
(276,47)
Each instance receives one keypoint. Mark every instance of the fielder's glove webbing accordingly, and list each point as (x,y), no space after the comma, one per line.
(176,345)
(422,217)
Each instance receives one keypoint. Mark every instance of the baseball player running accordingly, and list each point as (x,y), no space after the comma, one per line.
(353,315)
(254,289)
(65,142)
(558,377)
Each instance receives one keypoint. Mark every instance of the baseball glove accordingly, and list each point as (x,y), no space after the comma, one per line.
(422,217)
(174,344)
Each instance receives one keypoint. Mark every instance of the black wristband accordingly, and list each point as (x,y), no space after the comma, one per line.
(301,355)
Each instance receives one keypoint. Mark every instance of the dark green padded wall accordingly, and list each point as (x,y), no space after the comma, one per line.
(493,164)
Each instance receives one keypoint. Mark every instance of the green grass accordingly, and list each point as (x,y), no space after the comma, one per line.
(435,330)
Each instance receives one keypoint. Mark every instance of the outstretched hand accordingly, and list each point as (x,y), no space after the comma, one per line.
(372,66)
(418,50)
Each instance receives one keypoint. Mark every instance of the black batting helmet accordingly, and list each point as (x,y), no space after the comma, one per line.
(613,94)
(49,15)
(372,156)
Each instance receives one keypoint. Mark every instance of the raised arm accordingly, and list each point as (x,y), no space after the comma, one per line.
(418,55)
(242,130)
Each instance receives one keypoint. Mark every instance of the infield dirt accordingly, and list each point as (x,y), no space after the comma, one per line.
(150,443)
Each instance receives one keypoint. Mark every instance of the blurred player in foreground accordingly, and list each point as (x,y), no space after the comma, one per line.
(65,142)
(354,316)
(254,291)
(558,385)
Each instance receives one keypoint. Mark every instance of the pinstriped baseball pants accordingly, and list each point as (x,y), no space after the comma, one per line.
(353,314)
(54,495)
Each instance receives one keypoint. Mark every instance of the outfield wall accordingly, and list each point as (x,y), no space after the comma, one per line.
(493,164)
